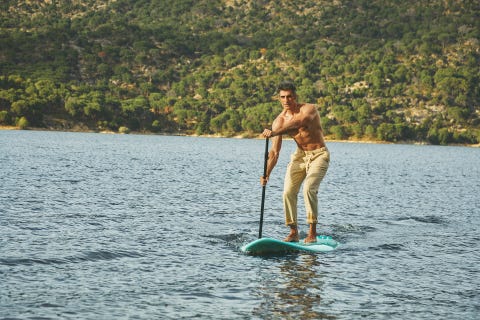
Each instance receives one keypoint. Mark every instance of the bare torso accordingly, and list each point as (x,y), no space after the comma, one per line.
(309,136)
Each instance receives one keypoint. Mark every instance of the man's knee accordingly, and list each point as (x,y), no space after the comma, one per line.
(310,191)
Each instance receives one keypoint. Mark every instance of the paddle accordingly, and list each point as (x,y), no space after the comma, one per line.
(263,189)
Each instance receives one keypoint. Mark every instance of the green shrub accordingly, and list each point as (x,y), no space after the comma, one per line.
(339,132)
(23,123)
(4,118)
(124,130)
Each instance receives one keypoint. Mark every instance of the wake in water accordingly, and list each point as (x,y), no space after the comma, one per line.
(92,256)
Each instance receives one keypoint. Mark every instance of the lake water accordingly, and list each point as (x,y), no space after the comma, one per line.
(96,226)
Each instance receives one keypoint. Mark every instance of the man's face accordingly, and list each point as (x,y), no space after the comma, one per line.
(287,98)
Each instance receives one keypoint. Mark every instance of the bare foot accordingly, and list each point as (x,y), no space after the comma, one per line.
(312,234)
(310,239)
(292,237)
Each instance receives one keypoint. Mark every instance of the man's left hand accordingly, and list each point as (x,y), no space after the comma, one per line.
(263,181)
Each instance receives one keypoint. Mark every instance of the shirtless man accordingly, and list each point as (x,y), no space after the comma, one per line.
(308,164)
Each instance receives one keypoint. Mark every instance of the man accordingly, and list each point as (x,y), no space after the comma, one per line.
(308,164)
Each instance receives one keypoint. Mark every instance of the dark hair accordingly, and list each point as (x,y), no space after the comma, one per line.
(287,86)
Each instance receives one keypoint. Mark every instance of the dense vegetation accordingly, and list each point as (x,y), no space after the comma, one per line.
(378,69)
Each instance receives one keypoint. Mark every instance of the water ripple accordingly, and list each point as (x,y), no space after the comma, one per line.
(98,255)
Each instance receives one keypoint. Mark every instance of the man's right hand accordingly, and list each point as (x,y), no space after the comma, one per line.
(267,133)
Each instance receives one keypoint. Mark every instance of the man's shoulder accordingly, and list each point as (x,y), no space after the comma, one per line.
(310,107)
(278,119)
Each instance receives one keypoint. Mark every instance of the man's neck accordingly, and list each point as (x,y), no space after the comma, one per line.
(294,109)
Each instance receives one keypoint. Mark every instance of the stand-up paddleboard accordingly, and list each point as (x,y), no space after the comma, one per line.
(265,246)
(274,246)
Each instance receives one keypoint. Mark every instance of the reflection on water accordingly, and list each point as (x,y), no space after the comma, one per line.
(292,288)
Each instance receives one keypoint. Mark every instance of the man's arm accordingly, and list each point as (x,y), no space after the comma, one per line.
(304,117)
(273,155)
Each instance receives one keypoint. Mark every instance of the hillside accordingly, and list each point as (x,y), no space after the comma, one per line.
(380,70)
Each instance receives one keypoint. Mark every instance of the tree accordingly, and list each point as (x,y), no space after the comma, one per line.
(450,86)
(74,105)
(5,118)
(370,131)
(135,111)
(339,132)
(386,132)
(157,102)
(23,123)
(94,105)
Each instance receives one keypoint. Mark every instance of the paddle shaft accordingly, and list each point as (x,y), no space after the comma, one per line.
(263,189)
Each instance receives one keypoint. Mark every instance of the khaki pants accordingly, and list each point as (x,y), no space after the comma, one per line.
(309,167)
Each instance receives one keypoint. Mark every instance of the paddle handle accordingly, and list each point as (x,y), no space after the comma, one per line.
(263,189)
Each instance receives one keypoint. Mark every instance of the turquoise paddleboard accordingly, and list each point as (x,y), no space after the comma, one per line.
(274,246)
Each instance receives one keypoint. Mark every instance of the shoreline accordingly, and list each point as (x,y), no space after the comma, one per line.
(238,136)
